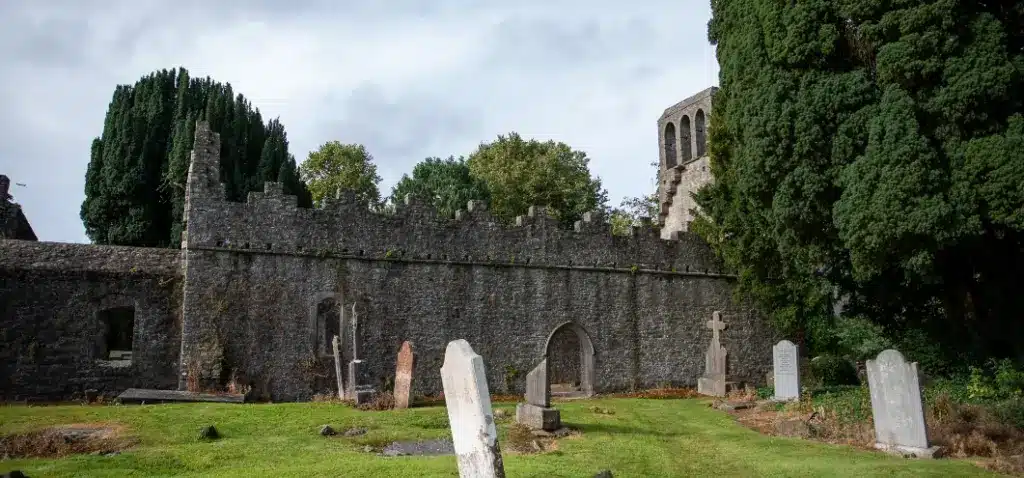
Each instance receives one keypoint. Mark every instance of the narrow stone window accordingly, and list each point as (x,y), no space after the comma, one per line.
(119,332)
(699,121)
(686,145)
(670,146)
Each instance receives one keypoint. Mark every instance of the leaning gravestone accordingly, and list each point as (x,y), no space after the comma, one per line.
(896,406)
(403,376)
(787,371)
(536,412)
(713,381)
(474,436)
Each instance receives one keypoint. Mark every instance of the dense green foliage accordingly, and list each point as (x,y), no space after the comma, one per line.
(444,183)
(831,370)
(873,150)
(336,166)
(520,174)
(135,181)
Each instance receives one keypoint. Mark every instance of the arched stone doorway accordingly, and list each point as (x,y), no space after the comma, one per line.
(570,355)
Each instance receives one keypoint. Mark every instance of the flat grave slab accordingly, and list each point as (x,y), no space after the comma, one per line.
(145,395)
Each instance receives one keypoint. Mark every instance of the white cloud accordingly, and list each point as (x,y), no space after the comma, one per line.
(409,81)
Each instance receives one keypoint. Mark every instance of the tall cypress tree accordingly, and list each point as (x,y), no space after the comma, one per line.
(874,149)
(135,181)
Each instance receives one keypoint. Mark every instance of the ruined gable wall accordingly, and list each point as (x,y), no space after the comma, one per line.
(684,165)
(254,273)
(50,296)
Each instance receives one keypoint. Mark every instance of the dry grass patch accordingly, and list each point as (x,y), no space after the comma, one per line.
(667,392)
(64,440)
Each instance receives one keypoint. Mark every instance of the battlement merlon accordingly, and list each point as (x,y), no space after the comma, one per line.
(272,222)
(203,187)
(673,110)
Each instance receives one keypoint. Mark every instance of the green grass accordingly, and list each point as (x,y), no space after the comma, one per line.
(657,438)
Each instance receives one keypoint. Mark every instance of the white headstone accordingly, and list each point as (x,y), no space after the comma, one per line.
(787,371)
(474,435)
(896,405)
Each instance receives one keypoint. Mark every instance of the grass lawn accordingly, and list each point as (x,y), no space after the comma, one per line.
(656,438)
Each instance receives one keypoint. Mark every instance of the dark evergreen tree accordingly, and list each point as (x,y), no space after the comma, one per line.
(135,181)
(445,183)
(873,150)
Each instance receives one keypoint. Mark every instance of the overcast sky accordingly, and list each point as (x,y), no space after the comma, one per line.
(408,79)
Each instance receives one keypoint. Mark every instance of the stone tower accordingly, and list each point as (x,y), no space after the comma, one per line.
(682,142)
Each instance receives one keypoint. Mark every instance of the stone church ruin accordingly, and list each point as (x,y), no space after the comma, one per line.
(258,290)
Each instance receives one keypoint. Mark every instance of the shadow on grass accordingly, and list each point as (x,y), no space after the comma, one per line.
(618,429)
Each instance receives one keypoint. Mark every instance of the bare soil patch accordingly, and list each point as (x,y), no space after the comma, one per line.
(63,440)
(965,431)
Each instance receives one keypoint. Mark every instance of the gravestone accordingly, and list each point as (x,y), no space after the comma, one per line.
(336,343)
(536,412)
(785,358)
(896,406)
(538,391)
(357,389)
(468,400)
(713,381)
(403,376)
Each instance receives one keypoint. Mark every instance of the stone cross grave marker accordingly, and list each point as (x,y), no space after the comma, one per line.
(896,405)
(336,342)
(785,358)
(474,435)
(403,375)
(713,381)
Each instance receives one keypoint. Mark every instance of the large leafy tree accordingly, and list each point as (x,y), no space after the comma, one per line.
(135,181)
(521,173)
(337,166)
(873,150)
(444,183)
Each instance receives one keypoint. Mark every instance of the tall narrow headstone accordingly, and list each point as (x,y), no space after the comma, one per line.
(896,406)
(403,375)
(474,435)
(354,320)
(358,390)
(536,412)
(713,381)
(336,342)
(785,358)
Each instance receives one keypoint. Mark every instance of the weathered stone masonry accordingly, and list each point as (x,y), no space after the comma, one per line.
(51,299)
(258,288)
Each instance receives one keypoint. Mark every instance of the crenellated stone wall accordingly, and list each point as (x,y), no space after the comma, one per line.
(258,289)
(255,272)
